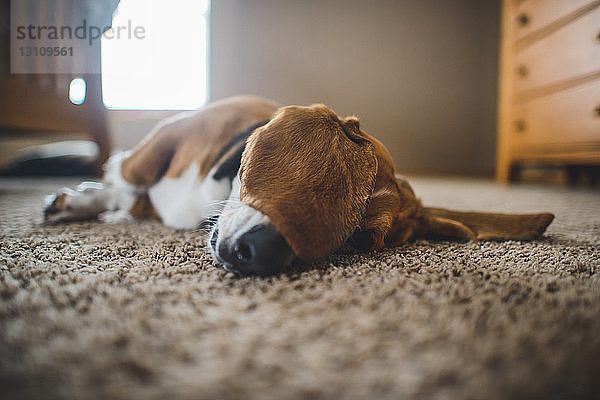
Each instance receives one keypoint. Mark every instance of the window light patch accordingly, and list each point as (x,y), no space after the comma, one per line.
(77,91)
(159,60)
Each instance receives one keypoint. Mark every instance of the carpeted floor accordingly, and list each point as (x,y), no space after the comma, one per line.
(133,310)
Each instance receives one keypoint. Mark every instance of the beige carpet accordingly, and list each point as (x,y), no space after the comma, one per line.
(133,310)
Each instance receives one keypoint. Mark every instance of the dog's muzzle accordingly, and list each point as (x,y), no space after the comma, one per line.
(246,242)
(262,250)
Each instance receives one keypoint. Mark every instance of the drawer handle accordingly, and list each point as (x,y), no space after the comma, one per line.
(523,19)
(522,71)
(520,126)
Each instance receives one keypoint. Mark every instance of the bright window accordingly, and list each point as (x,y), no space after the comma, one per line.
(163,64)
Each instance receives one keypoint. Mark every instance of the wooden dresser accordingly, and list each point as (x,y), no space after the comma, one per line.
(549,103)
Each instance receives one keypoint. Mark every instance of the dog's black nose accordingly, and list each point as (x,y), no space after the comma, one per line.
(260,251)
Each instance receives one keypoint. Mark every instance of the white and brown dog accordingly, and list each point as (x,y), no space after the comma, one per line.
(278,184)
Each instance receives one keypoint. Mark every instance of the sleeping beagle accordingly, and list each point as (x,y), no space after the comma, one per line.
(275,184)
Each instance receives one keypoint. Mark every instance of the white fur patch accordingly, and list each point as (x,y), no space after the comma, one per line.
(123,194)
(237,218)
(188,200)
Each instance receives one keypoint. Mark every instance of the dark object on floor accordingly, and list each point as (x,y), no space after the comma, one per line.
(68,158)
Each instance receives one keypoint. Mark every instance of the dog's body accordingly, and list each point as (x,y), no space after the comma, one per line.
(284,183)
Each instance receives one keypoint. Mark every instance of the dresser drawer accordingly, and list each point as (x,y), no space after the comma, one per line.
(567,117)
(532,15)
(572,51)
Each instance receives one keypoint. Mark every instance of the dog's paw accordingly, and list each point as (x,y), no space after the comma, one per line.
(70,205)
(57,206)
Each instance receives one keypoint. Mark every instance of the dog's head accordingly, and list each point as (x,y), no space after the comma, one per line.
(307,183)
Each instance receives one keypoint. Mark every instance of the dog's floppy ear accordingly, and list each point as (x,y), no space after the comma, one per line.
(483,226)
(312,174)
(351,128)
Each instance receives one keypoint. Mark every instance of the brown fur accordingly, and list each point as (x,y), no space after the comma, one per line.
(493,226)
(142,208)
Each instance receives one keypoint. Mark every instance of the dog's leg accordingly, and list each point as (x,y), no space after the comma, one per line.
(90,199)
(484,225)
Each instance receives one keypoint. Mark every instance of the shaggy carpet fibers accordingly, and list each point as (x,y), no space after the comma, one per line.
(134,310)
